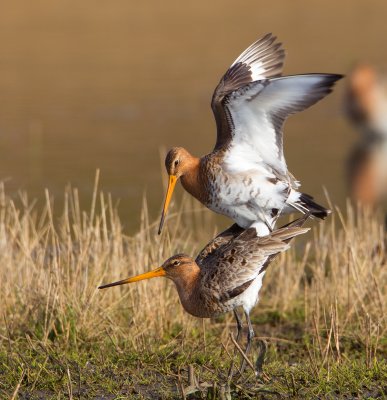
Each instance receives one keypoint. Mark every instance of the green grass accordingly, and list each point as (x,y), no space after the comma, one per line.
(293,367)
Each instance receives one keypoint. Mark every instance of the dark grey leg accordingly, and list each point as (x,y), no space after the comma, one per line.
(239,327)
(250,336)
(239,324)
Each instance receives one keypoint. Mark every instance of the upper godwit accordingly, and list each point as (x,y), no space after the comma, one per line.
(245,177)
(226,274)
(366,104)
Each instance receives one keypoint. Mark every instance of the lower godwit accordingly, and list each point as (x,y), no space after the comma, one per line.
(366,105)
(226,274)
(245,177)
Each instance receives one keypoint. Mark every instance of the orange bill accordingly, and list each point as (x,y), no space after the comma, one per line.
(168,196)
(148,275)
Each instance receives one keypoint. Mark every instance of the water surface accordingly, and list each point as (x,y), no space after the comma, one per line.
(87,85)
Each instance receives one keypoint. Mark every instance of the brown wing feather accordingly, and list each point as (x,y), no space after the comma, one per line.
(220,240)
(229,269)
(286,236)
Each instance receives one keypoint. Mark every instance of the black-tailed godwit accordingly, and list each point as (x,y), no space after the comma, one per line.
(245,177)
(226,274)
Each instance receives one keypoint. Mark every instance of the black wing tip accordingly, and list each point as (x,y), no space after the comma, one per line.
(270,36)
(266,37)
(329,80)
(334,77)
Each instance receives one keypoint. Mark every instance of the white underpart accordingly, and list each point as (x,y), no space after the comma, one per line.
(249,196)
(249,298)
(262,228)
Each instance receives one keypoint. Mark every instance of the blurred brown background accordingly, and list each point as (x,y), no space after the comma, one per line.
(93,84)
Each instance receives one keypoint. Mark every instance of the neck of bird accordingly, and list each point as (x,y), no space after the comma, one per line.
(188,290)
(191,179)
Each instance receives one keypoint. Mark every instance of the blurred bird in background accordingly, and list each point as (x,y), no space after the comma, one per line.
(366,107)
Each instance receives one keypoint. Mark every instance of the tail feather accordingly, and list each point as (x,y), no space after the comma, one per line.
(315,209)
(289,231)
(284,235)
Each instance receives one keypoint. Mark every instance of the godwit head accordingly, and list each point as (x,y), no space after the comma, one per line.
(178,163)
(180,268)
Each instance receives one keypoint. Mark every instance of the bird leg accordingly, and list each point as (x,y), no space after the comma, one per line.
(239,324)
(261,356)
(262,348)
(250,336)
(239,327)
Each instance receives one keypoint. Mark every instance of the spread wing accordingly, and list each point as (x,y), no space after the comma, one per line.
(252,102)
(262,60)
(230,269)
(258,111)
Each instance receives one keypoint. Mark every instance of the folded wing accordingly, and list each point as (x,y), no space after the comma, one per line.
(243,258)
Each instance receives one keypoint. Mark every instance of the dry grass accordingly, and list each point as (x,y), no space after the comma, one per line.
(50,270)
(334,285)
(339,278)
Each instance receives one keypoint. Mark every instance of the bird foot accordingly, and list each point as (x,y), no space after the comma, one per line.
(194,385)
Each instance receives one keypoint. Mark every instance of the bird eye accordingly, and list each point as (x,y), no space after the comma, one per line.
(176,263)
(176,163)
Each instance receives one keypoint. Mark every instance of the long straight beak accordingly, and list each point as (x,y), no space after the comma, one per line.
(168,196)
(148,275)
